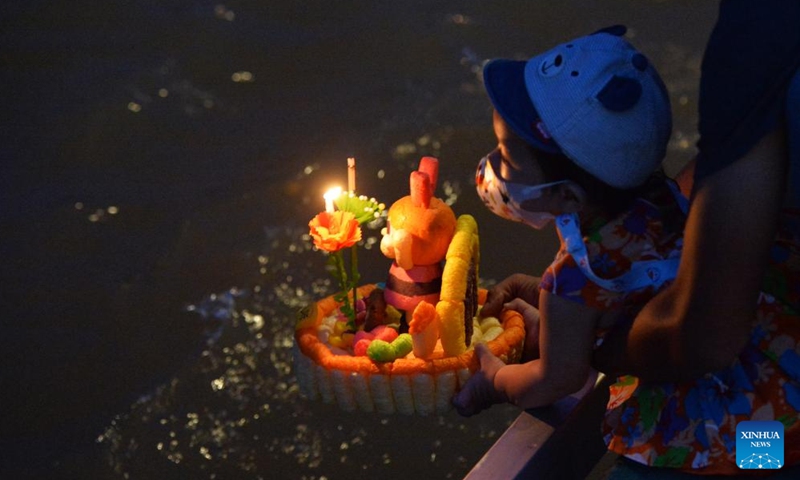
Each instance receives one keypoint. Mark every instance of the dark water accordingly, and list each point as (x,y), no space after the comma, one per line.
(160,163)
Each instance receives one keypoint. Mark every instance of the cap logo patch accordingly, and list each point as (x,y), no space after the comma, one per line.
(551,65)
(540,131)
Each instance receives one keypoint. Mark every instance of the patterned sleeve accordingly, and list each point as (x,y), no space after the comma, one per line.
(564,278)
(635,235)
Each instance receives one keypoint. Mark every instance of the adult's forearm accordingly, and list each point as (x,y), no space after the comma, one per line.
(647,346)
(666,343)
(702,321)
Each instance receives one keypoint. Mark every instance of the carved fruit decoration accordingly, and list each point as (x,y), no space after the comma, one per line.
(418,232)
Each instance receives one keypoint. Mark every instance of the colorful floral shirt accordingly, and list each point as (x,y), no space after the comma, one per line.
(692,426)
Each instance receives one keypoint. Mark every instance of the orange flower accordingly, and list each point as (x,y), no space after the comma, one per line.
(334,231)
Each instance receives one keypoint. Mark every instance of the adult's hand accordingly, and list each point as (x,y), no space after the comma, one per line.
(521,286)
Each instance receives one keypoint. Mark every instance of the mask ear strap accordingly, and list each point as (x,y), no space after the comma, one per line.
(528,190)
(641,274)
(491,158)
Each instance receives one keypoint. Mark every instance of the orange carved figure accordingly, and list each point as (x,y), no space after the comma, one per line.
(418,231)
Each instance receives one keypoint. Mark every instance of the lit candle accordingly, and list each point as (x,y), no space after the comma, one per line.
(351,174)
(330,196)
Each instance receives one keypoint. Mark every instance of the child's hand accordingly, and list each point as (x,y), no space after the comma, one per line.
(479,393)
(518,285)
(530,314)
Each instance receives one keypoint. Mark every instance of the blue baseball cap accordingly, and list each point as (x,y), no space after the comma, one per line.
(595,99)
(505,85)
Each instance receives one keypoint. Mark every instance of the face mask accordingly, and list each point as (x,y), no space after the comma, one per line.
(504,198)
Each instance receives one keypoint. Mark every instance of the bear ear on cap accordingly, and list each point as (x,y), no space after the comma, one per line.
(616,30)
(620,93)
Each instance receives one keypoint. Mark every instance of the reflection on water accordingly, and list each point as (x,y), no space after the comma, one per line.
(164,154)
(238,408)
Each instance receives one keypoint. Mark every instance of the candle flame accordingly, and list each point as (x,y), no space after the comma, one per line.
(331,195)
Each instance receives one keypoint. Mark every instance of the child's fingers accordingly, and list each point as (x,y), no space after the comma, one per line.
(478,393)
(483,353)
(464,401)
(489,362)
(522,307)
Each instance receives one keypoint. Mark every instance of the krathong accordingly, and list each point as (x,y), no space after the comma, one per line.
(403,345)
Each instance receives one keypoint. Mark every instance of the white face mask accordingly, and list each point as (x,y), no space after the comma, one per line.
(504,198)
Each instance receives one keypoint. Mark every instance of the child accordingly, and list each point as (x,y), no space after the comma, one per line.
(582,130)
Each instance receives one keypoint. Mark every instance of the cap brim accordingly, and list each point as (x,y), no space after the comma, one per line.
(505,84)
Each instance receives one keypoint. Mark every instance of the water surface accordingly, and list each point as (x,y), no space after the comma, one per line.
(161,163)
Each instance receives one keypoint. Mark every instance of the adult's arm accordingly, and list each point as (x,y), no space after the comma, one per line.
(702,321)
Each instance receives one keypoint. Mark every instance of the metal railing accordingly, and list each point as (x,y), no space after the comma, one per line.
(561,441)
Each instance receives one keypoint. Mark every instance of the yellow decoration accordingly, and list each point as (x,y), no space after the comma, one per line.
(451,327)
(462,252)
(335,341)
(339,327)
(489,322)
(454,279)
(393,314)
